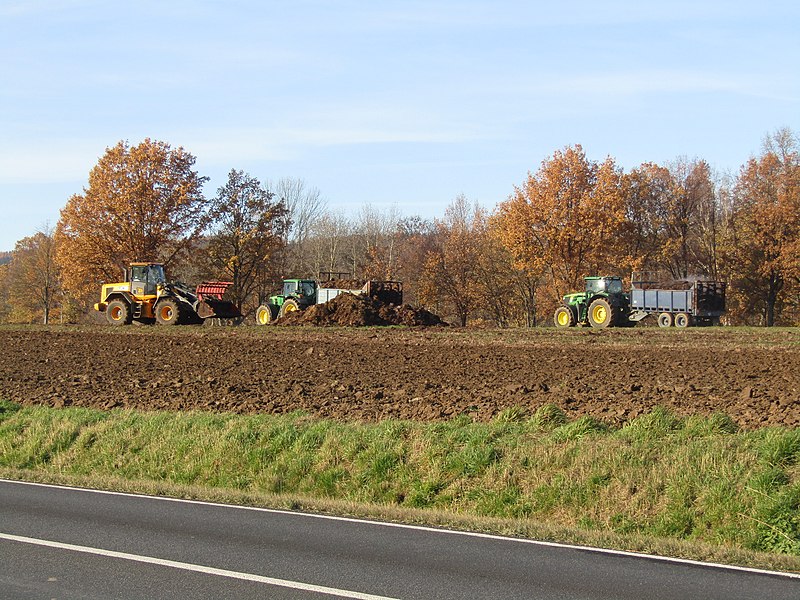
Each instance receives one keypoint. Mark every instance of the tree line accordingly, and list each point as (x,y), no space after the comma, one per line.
(505,266)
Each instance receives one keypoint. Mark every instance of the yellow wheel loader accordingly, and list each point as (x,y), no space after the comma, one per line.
(147,297)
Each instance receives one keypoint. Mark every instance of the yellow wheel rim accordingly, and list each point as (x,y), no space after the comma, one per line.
(263,317)
(166,313)
(116,313)
(563,318)
(600,314)
(291,307)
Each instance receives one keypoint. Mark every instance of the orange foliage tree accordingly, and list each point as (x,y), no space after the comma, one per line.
(566,221)
(764,252)
(450,276)
(143,203)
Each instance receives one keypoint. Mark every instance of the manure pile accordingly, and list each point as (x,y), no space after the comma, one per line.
(350,310)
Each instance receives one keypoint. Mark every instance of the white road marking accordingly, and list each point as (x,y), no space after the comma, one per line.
(488,536)
(295,585)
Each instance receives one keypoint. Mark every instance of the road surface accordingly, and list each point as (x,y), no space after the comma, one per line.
(59,542)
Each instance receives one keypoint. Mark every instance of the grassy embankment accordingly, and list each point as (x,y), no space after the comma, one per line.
(693,487)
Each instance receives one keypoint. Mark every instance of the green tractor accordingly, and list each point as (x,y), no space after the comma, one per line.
(298,294)
(602,304)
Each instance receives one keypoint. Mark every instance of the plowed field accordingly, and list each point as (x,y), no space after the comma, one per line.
(424,374)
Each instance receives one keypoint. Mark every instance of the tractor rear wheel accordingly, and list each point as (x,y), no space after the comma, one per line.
(289,306)
(665,319)
(266,314)
(682,320)
(168,312)
(119,313)
(564,317)
(601,315)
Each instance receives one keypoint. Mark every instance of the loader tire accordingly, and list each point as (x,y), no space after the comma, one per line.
(665,319)
(601,314)
(289,306)
(266,314)
(564,317)
(119,313)
(168,312)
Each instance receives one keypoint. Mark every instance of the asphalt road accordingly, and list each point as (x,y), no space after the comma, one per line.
(60,542)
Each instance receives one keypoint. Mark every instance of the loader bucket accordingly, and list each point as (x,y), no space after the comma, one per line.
(210,301)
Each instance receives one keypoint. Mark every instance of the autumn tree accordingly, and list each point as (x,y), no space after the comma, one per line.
(34,283)
(415,239)
(327,245)
(451,272)
(143,203)
(374,243)
(690,220)
(566,221)
(305,206)
(248,229)
(764,258)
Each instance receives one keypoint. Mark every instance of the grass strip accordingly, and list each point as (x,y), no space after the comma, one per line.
(693,487)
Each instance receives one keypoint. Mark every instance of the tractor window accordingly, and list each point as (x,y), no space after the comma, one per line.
(289,288)
(308,288)
(614,286)
(595,286)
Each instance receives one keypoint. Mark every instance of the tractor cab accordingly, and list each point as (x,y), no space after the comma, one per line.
(303,290)
(145,277)
(607,286)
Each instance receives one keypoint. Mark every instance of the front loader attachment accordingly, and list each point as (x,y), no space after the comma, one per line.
(211,304)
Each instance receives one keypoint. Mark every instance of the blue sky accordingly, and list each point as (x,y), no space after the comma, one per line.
(392,104)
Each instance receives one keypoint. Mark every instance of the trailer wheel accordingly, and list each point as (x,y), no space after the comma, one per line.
(119,313)
(564,317)
(168,312)
(266,314)
(682,320)
(289,306)
(601,314)
(665,319)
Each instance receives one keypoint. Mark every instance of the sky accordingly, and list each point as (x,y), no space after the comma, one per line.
(394,105)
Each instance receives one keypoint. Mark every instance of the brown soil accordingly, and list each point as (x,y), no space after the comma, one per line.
(428,374)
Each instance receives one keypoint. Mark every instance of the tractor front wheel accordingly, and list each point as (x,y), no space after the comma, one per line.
(289,306)
(168,312)
(665,319)
(266,314)
(118,313)
(601,315)
(564,317)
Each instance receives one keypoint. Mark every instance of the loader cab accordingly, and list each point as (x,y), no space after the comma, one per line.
(145,278)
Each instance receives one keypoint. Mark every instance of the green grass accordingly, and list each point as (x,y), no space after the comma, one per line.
(695,482)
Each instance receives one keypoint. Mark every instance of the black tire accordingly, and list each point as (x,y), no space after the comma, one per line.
(289,306)
(168,312)
(665,319)
(266,314)
(118,312)
(564,317)
(601,314)
(682,320)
